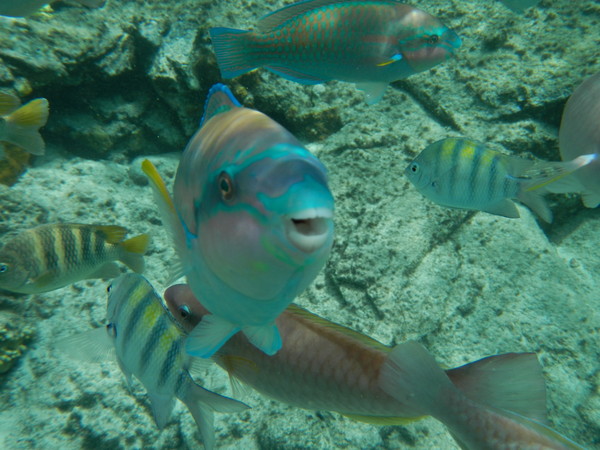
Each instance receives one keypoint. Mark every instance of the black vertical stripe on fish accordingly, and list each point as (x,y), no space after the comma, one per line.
(85,234)
(151,344)
(506,187)
(167,365)
(99,244)
(455,161)
(475,168)
(70,249)
(135,317)
(181,384)
(491,184)
(48,251)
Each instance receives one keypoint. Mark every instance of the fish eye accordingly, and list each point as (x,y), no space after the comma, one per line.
(225,185)
(433,39)
(414,167)
(184,311)
(108,288)
(3,268)
(111,329)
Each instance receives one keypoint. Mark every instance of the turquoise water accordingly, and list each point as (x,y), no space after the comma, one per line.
(128,81)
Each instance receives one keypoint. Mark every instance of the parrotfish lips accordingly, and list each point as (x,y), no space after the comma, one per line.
(309,230)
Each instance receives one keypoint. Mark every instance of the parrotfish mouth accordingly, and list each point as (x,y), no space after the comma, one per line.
(308,230)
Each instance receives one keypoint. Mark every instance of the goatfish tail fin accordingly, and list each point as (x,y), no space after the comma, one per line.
(231,48)
(133,252)
(23,124)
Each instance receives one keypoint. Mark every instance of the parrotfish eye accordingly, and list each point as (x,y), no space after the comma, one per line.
(184,311)
(433,39)
(414,167)
(108,288)
(111,329)
(3,268)
(225,185)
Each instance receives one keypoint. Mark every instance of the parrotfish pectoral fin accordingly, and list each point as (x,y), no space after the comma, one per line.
(265,338)
(93,346)
(162,406)
(294,75)
(230,47)
(374,91)
(505,208)
(219,100)
(393,59)
(209,336)
(22,126)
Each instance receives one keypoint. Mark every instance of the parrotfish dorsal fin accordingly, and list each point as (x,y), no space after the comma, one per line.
(219,100)
(276,18)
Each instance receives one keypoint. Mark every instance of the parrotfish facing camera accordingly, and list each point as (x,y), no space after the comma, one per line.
(252,222)
(367,42)
(580,134)
(19,125)
(462,173)
(497,402)
(24,8)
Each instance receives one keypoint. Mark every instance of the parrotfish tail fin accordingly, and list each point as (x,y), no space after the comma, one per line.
(231,48)
(209,336)
(513,382)
(92,3)
(219,100)
(202,403)
(22,126)
(133,252)
(162,406)
(265,338)
(168,214)
(8,103)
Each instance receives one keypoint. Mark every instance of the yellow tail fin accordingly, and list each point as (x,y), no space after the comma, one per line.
(8,103)
(22,126)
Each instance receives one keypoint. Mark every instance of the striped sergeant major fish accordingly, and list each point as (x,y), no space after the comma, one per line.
(463,173)
(498,402)
(51,256)
(19,125)
(367,42)
(149,343)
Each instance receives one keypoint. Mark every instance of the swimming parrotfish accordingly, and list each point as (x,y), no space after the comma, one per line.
(367,42)
(462,173)
(24,8)
(149,344)
(49,257)
(496,402)
(19,125)
(252,222)
(580,134)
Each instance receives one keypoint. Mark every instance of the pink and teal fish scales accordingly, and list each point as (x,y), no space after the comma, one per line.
(370,43)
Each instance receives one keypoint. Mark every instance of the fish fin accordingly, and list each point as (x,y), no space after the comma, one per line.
(591,199)
(279,17)
(209,336)
(219,100)
(374,91)
(230,48)
(505,208)
(550,176)
(295,75)
(535,201)
(264,337)
(94,346)
(162,407)
(106,271)
(512,381)
(239,389)
(113,234)
(8,103)
(44,279)
(395,57)
(382,420)
(198,366)
(91,3)
(169,217)
(133,252)
(22,126)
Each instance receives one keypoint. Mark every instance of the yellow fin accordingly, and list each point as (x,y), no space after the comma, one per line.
(364,339)
(393,59)
(113,233)
(33,114)
(158,183)
(137,244)
(382,420)
(8,103)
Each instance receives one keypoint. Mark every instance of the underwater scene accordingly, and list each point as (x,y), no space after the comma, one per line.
(260,224)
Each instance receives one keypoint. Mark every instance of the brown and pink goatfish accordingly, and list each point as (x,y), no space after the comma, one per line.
(496,402)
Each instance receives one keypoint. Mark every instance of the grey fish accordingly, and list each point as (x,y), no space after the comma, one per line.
(49,257)
(19,125)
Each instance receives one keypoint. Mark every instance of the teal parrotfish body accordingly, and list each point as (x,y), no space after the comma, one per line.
(367,42)
(463,173)
(252,220)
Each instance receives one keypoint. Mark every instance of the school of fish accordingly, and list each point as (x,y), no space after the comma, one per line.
(250,217)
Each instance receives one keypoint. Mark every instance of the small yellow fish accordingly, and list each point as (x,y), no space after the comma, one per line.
(49,257)
(19,125)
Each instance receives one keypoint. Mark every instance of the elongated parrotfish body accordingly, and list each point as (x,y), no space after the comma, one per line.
(252,221)
(367,42)
(150,344)
(19,125)
(580,134)
(462,173)
(49,257)
(24,8)
(495,403)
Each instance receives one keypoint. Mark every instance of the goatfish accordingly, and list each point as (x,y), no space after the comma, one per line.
(367,42)
(580,134)
(24,8)
(497,402)
(19,125)
(51,256)
(466,174)
(251,218)
(148,343)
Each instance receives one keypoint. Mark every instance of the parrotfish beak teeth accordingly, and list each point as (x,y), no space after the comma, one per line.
(309,230)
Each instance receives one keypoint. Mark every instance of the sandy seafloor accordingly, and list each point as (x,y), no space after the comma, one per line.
(466,285)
